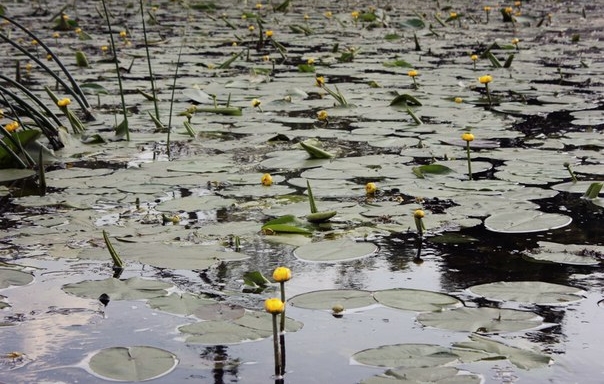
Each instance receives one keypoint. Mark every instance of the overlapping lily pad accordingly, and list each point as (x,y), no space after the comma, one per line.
(416,300)
(437,375)
(481,320)
(571,254)
(525,221)
(327,299)
(406,356)
(11,277)
(134,288)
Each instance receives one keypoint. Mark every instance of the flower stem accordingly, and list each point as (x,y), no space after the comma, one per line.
(276,348)
(488,97)
(469,160)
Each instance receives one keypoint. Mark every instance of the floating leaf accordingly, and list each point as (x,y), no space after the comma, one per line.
(437,169)
(12,277)
(525,221)
(138,363)
(331,251)
(571,254)
(219,311)
(315,152)
(521,358)
(436,375)
(326,299)
(286,224)
(482,320)
(406,356)
(184,304)
(416,300)
(533,292)
(133,288)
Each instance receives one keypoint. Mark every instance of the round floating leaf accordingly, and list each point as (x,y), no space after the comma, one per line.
(416,300)
(10,277)
(221,332)
(184,304)
(533,292)
(134,288)
(132,363)
(332,251)
(571,254)
(348,298)
(406,356)
(263,321)
(15,174)
(219,311)
(482,320)
(440,375)
(525,221)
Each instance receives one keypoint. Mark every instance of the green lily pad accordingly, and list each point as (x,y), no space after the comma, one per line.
(416,300)
(437,375)
(287,224)
(521,358)
(137,363)
(482,320)
(12,277)
(194,204)
(326,299)
(133,288)
(185,304)
(15,174)
(570,254)
(331,251)
(533,292)
(525,221)
(219,311)
(406,356)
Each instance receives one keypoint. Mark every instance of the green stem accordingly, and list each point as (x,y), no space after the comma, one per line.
(488,95)
(276,348)
(149,63)
(117,68)
(469,160)
(172,97)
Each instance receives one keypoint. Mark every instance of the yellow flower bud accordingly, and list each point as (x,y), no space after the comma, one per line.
(419,214)
(123,34)
(328,14)
(370,188)
(322,115)
(282,274)
(467,136)
(355,14)
(266,180)
(458,100)
(256,103)
(268,33)
(515,41)
(474,57)
(251,28)
(64,102)
(412,73)
(487,8)
(320,80)
(12,126)
(453,15)
(310,61)
(485,79)
(274,306)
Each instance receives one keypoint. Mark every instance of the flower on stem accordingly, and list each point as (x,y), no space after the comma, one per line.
(355,15)
(487,10)
(370,188)
(468,137)
(251,28)
(570,171)
(123,34)
(458,100)
(268,34)
(258,5)
(515,42)
(266,180)
(282,274)
(12,126)
(274,305)
(78,31)
(413,74)
(310,61)
(319,80)
(486,79)
(418,216)
(328,14)
(474,58)
(64,102)
(256,104)
(266,58)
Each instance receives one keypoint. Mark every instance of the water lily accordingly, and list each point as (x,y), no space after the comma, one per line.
(458,100)
(370,188)
(467,137)
(282,274)
(267,180)
(328,14)
(418,217)
(64,102)
(322,115)
(256,104)
(274,305)
(319,80)
(251,28)
(268,34)
(355,15)
(486,79)
(474,58)
(123,34)
(413,74)
(487,10)
(515,42)
(258,5)
(12,126)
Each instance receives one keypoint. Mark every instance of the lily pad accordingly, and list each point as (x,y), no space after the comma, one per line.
(482,320)
(570,254)
(533,292)
(219,311)
(525,221)
(437,375)
(15,174)
(406,356)
(331,251)
(521,358)
(12,277)
(137,363)
(326,299)
(133,288)
(185,304)
(416,300)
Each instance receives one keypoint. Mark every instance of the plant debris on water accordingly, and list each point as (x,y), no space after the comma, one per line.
(421,168)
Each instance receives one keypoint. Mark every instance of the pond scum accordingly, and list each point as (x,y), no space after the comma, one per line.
(454,150)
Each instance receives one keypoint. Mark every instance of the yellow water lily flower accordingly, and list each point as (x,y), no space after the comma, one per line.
(486,79)
(256,103)
(474,57)
(268,33)
(310,61)
(56,35)
(104,48)
(419,214)
(306,17)
(274,306)
(320,80)
(355,14)
(412,73)
(487,8)
(322,115)
(371,188)
(458,100)
(266,180)
(328,14)
(467,136)
(251,28)
(64,102)
(258,5)
(78,30)
(123,34)
(453,15)
(266,58)
(282,274)
(12,126)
